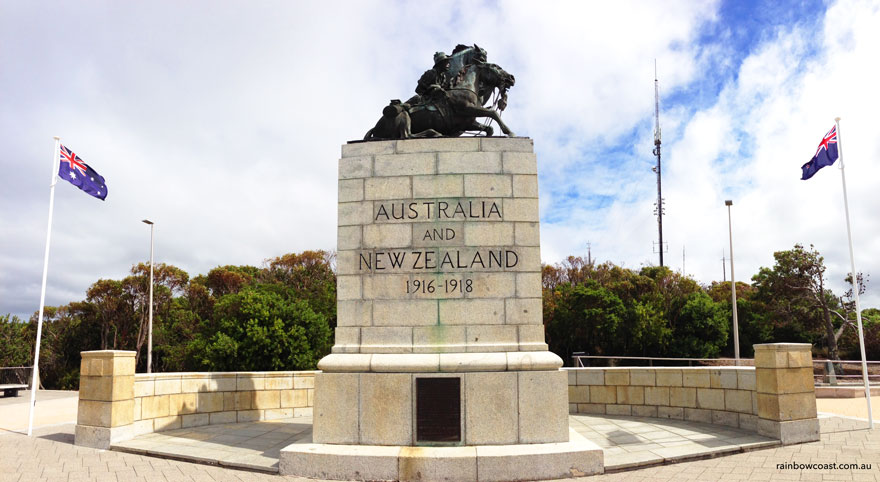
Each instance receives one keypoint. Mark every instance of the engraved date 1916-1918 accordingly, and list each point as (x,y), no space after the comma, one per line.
(465,285)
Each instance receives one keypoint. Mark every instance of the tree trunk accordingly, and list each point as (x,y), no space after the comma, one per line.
(829,334)
(104,330)
(141,338)
(829,328)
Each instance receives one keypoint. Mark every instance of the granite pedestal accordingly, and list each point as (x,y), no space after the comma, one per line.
(439,368)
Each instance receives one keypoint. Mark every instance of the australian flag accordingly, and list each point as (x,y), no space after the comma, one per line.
(825,155)
(78,173)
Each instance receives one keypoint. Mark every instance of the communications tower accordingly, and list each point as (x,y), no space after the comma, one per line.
(659,209)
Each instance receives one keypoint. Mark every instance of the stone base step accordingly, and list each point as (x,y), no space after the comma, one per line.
(575,458)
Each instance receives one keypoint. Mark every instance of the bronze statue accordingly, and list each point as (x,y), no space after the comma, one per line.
(433,82)
(449,98)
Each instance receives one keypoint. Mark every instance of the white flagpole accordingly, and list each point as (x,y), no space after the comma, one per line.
(35,379)
(855,281)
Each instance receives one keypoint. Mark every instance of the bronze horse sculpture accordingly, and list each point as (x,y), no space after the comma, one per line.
(453,112)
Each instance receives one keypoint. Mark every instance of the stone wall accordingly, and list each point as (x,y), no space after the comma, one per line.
(720,395)
(775,398)
(115,404)
(166,401)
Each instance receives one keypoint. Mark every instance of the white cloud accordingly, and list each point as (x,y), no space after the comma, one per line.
(775,111)
(222,122)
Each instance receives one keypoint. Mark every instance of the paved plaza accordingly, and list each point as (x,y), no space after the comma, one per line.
(251,445)
(636,448)
(50,455)
(628,442)
(631,442)
(54,407)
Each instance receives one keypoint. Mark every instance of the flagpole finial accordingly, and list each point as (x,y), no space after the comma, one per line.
(837,119)
(56,138)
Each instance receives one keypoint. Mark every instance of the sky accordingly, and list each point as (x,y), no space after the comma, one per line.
(222,122)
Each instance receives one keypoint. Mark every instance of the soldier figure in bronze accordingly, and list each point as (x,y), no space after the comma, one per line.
(434,82)
(449,98)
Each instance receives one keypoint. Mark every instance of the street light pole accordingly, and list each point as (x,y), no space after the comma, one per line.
(729,203)
(150,326)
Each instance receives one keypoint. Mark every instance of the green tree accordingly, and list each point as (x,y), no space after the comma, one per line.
(846,315)
(586,318)
(259,329)
(110,309)
(309,275)
(701,328)
(608,309)
(15,347)
(277,315)
(173,337)
(870,316)
(65,335)
(754,324)
(645,330)
(168,280)
(793,293)
(224,280)
(849,342)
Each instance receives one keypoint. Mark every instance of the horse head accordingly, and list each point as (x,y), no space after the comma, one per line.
(492,76)
(505,80)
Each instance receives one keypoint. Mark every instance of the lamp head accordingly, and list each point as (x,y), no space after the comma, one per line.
(147,221)
(728,203)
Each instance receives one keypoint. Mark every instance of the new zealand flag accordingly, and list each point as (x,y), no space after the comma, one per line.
(825,155)
(78,173)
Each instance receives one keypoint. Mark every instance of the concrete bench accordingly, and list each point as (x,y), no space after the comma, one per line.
(11,390)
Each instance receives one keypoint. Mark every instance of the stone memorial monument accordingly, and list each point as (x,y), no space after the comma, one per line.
(440,370)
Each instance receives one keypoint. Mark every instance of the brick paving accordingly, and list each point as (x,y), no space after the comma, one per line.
(843,441)
(630,442)
(248,445)
(51,456)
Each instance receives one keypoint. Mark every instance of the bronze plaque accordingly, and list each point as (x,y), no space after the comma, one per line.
(438,409)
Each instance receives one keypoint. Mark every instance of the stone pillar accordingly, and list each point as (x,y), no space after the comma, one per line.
(786,393)
(106,398)
(440,364)
(439,276)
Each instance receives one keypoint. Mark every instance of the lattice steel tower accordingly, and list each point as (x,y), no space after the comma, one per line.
(659,209)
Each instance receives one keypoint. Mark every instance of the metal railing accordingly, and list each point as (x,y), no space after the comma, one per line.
(844,372)
(612,361)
